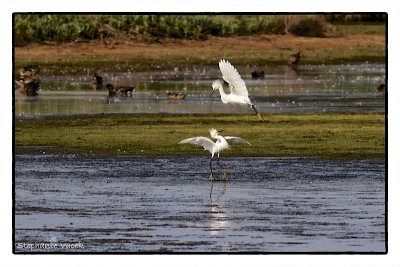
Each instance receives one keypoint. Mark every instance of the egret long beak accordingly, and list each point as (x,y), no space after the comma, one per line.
(212,93)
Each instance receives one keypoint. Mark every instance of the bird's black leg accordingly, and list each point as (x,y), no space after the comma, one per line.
(258,114)
(219,163)
(211,178)
(222,167)
(211,187)
(211,172)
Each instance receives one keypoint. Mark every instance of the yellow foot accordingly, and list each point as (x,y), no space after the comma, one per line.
(260,117)
(211,177)
(225,173)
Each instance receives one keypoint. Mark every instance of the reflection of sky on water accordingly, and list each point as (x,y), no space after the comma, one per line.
(309,88)
(219,218)
(163,204)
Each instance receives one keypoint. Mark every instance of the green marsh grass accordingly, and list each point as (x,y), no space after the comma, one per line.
(328,136)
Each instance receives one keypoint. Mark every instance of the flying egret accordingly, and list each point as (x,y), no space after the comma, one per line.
(238,91)
(217,147)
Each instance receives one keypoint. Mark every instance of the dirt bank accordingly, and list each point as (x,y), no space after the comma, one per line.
(260,49)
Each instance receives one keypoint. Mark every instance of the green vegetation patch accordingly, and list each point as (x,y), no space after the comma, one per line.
(69,28)
(331,136)
(38,28)
(309,28)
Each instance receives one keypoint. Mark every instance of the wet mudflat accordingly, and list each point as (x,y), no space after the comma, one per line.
(138,204)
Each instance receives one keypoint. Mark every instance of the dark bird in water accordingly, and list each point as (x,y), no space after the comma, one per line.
(294,59)
(97,82)
(28,81)
(119,91)
(176,96)
(29,71)
(258,74)
(29,86)
(381,89)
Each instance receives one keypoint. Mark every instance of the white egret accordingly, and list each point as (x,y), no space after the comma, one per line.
(238,91)
(214,148)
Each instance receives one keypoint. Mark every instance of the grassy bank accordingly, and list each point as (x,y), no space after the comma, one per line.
(332,136)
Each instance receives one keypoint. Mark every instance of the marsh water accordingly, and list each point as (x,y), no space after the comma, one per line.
(138,204)
(306,89)
(75,203)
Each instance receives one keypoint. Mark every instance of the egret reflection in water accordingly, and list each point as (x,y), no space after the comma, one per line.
(223,191)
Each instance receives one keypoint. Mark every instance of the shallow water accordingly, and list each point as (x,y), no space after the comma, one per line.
(138,204)
(309,88)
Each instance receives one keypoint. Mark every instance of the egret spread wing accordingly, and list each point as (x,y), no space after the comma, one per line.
(205,142)
(235,139)
(232,76)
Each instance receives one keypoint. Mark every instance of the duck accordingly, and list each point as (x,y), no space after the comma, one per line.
(381,89)
(257,74)
(119,91)
(28,87)
(28,82)
(294,58)
(97,82)
(176,96)
(28,71)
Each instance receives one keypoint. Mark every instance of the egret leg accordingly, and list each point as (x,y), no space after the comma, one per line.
(257,113)
(224,187)
(211,187)
(222,167)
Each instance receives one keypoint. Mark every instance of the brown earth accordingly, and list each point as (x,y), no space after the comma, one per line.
(249,49)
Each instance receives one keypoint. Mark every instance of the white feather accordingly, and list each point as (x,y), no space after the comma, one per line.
(232,77)
(205,142)
(214,147)
(235,139)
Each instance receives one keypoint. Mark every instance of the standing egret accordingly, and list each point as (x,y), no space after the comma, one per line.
(238,91)
(217,147)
